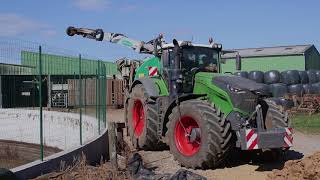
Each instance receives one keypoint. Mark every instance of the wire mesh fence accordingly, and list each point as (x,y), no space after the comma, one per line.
(50,96)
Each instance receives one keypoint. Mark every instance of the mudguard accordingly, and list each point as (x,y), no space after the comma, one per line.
(148,84)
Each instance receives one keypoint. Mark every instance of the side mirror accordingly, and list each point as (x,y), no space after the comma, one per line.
(238,62)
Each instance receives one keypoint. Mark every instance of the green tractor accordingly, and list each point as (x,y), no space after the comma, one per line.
(179,97)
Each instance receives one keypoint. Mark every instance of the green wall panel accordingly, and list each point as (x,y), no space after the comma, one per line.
(312,58)
(280,63)
(63,65)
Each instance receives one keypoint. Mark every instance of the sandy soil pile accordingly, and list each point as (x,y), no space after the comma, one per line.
(306,168)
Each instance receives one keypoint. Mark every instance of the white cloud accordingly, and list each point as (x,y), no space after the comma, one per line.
(14,25)
(91,5)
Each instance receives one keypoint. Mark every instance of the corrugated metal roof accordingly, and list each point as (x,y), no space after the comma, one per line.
(268,51)
(63,65)
(15,69)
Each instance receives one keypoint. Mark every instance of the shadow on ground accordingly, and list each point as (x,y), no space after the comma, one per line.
(266,161)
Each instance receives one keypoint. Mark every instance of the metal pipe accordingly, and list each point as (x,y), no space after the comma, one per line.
(175,76)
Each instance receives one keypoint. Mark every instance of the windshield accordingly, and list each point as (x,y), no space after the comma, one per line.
(206,59)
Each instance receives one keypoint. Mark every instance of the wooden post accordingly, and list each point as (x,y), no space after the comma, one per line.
(112,144)
(120,140)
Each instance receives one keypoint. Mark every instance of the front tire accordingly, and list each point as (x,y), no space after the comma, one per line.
(142,120)
(215,139)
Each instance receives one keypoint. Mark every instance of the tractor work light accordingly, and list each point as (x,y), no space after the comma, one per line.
(218,46)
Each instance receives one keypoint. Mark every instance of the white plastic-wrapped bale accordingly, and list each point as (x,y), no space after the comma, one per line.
(304,77)
(272,77)
(278,89)
(296,89)
(312,75)
(256,76)
(290,77)
(309,89)
(243,74)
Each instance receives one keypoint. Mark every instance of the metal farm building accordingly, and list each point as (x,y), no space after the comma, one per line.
(16,88)
(298,57)
(19,83)
(64,65)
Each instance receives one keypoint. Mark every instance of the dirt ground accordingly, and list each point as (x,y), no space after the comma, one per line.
(240,167)
(306,168)
(163,162)
(13,153)
(82,171)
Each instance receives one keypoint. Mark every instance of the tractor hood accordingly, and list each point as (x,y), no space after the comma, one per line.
(244,93)
(239,83)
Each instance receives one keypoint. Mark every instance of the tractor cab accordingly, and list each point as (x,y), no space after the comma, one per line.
(192,58)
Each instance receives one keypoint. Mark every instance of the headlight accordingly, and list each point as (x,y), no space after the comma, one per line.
(236,90)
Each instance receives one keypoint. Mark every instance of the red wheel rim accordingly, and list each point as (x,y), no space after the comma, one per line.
(138,118)
(181,136)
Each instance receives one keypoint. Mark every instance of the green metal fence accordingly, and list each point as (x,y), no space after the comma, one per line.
(53,99)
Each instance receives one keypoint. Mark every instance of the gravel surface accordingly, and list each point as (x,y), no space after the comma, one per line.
(13,153)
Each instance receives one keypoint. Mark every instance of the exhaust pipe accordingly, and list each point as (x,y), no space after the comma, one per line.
(176,76)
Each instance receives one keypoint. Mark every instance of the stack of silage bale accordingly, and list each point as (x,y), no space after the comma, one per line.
(278,84)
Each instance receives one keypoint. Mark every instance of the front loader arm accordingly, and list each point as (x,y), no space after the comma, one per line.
(117,38)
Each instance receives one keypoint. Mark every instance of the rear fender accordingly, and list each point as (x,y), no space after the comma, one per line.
(148,84)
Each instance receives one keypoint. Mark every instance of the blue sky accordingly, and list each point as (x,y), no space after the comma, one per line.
(235,24)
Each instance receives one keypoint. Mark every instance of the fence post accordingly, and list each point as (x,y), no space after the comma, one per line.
(80,99)
(85,96)
(49,91)
(96,93)
(40,103)
(99,100)
(104,91)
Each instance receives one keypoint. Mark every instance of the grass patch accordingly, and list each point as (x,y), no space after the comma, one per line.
(307,124)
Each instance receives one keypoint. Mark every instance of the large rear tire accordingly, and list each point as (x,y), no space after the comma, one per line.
(215,139)
(142,120)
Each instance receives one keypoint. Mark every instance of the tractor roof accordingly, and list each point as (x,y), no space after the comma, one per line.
(181,43)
